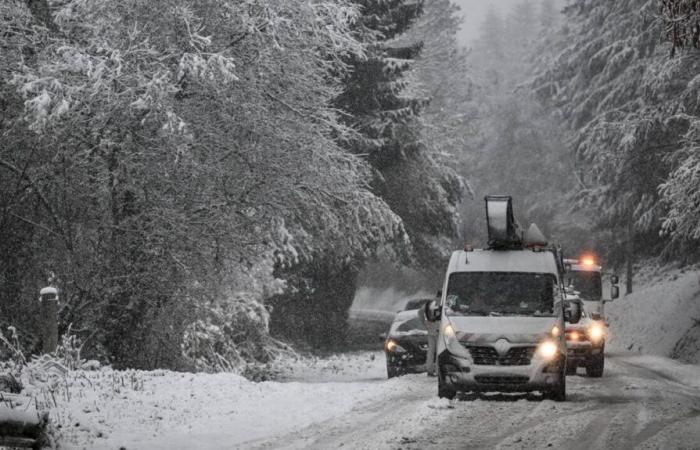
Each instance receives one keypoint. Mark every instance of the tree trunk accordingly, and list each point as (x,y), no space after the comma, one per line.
(629,256)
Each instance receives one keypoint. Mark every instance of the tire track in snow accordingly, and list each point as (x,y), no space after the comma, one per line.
(632,406)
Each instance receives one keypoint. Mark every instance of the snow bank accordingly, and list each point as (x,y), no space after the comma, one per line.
(110,409)
(341,367)
(674,371)
(664,309)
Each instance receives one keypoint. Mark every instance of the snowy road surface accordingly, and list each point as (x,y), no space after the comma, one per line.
(641,402)
(347,402)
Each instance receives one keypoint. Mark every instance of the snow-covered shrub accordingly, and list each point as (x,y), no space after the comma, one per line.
(14,358)
(69,351)
(232,335)
(42,374)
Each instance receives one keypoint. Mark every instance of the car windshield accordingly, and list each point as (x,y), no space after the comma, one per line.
(411,325)
(500,294)
(406,327)
(416,303)
(588,283)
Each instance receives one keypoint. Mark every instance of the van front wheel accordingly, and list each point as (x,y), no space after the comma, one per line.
(558,391)
(444,391)
(596,366)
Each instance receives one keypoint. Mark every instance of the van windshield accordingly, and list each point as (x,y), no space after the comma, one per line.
(500,294)
(588,283)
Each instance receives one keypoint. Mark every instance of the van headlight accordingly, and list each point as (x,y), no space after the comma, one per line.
(596,332)
(452,343)
(548,350)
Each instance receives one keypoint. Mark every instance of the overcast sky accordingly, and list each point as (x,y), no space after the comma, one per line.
(474,12)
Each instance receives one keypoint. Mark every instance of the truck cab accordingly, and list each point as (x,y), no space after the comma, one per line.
(586,339)
(585,277)
(502,313)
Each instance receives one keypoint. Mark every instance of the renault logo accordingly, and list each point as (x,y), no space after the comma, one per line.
(502,346)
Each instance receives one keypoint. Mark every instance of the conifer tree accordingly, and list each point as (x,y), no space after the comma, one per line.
(374,95)
(382,103)
(632,113)
(314,308)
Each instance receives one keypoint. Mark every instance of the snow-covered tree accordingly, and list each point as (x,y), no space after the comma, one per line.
(628,107)
(391,98)
(682,20)
(515,147)
(175,148)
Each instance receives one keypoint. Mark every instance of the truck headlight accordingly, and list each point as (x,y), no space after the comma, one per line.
(596,332)
(393,347)
(548,350)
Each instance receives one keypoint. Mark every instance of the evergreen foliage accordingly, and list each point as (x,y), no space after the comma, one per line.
(682,18)
(384,102)
(515,147)
(631,113)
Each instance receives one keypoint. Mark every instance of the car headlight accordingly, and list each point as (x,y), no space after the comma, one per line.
(596,332)
(548,350)
(393,347)
(555,331)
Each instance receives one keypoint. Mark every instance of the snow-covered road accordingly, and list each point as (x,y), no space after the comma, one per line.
(641,402)
(345,401)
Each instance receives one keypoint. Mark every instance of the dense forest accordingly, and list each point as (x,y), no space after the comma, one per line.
(190,173)
(624,85)
(590,107)
(206,180)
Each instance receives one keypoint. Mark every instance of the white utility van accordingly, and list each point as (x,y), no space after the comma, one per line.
(501,313)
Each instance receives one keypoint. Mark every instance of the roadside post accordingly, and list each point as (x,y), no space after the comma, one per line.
(48,297)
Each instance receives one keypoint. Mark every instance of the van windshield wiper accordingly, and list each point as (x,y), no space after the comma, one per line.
(484,313)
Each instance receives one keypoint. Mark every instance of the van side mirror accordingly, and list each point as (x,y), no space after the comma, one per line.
(614,279)
(439,293)
(382,337)
(614,292)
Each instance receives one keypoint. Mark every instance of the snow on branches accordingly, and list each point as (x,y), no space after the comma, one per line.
(170,142)
(631,111)
(682,20)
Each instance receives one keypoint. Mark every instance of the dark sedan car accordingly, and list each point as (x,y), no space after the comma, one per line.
(406,344)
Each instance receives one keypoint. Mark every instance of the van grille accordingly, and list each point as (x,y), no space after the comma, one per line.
(501,379)
(488,356)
